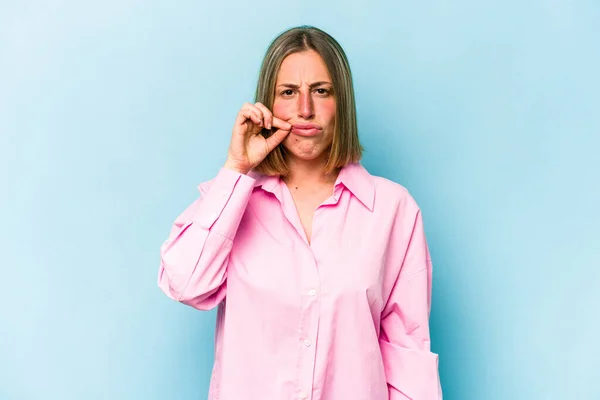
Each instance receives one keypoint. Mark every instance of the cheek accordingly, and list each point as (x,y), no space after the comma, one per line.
(327,110)
(283,109)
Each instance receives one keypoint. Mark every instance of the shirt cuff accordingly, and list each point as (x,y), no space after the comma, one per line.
(411,372)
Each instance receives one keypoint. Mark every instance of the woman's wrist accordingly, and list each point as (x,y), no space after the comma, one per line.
(232,166)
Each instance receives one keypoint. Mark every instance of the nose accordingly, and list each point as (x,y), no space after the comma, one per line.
(306,109)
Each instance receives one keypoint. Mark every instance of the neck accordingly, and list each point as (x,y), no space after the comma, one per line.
(309,173)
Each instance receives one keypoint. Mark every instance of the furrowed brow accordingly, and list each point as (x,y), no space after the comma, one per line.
(312,85)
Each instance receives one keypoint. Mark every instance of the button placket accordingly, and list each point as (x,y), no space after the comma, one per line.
(308,336)
(311,284)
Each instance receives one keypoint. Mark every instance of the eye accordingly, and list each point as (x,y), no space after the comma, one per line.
(322,91)
(287,92)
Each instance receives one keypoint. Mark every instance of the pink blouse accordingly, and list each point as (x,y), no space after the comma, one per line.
(342,318)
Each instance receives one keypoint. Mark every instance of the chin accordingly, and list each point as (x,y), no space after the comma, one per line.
(304,150)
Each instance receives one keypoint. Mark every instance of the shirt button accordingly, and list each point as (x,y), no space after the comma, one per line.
(302,395)
(307,343)
(312,292)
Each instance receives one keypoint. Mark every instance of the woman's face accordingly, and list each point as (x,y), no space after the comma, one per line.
(304,97)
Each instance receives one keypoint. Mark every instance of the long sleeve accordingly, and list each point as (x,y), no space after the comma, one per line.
(193,268)
(411,368)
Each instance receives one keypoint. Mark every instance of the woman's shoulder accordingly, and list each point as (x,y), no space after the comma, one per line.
(391,192)
(390,186)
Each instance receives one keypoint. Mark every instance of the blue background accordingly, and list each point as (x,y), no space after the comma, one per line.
(112,112)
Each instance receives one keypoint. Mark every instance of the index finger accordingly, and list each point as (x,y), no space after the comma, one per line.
(281,124)
(267,114)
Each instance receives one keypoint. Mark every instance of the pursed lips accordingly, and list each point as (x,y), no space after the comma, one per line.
(306,129)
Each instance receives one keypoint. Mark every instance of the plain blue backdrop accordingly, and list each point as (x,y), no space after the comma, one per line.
(111,112)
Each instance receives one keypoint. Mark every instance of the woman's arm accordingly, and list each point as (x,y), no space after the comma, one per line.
(193,268)
(411,368)
(194,258)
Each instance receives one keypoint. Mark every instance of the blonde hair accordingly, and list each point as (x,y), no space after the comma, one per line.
(345,147)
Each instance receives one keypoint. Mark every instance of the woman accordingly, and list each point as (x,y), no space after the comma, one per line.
(320,271)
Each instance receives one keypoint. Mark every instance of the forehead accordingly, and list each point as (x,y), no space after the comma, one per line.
(307,65)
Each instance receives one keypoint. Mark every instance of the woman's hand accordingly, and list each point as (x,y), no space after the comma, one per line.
(248,147)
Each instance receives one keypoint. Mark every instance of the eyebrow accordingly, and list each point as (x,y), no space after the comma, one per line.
(312,85)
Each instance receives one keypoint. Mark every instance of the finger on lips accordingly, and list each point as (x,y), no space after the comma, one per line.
(262,116)
(281,124)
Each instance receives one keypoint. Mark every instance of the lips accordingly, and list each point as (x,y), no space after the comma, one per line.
(306,129)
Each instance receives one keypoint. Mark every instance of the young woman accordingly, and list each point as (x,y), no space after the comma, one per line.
(320,271)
